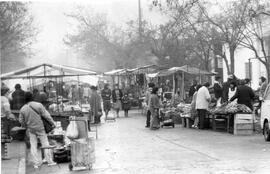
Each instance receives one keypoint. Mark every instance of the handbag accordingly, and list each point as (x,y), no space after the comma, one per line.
(48,126)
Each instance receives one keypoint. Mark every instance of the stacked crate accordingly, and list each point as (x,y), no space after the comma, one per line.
(243,124)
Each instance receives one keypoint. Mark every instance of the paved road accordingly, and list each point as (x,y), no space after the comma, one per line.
(126,147)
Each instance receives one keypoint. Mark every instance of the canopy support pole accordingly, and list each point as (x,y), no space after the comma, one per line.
(79,90)
(173,83)
(56,90)
(183,85)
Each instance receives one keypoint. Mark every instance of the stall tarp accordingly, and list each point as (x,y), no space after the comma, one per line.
(152,75)
(47,70)
(186,69)
(116,72)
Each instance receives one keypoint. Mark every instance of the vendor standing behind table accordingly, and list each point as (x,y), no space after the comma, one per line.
(30,118)
(117,97)
(218,90)
(106,94)
(147,97)
(202,103)
(244,94)
(226,86)
(232,91)
(17,98)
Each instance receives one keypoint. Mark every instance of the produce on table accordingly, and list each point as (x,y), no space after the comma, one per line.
(231,108)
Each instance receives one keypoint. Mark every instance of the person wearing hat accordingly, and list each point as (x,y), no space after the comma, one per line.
(6,116)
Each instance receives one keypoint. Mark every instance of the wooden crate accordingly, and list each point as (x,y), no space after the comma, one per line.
(243,124)
(243,132)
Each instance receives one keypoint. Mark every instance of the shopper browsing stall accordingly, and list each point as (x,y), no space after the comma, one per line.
(147,97)
(116,97)
(95,104)
(126,103)
(154,106)
(192,88)
(18,97)
(6,116)
(31,118)
(202,104)
(193,112)
(106,97)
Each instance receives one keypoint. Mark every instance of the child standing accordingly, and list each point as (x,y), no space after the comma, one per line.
(126,104)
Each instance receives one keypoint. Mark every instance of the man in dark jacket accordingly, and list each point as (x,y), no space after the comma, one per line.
(244,94)
(218,90)
(18,99)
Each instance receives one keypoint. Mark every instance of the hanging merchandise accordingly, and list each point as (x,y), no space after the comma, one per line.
(72,130)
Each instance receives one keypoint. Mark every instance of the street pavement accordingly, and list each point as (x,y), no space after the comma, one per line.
(16,154)
(127,147)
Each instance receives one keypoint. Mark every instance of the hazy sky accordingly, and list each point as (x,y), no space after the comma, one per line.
(53,24)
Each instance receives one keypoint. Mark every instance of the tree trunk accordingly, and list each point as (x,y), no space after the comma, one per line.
(267,66)
(232,49)
(226,63)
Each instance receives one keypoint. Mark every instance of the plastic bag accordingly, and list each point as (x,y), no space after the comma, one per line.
(72,130)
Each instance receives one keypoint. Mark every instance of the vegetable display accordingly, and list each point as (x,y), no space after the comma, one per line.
(231,108)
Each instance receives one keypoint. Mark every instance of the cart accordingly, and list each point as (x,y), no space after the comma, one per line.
(82,149)
(166,118)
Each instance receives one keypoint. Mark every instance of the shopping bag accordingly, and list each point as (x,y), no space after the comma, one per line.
(72,130)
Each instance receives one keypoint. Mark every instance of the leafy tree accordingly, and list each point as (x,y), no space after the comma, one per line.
(104,43)
(16,34)
(254,36)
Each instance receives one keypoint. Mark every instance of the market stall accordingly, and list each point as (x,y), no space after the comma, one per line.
(63,87)
(179,78)
(133,81)
(63,97)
